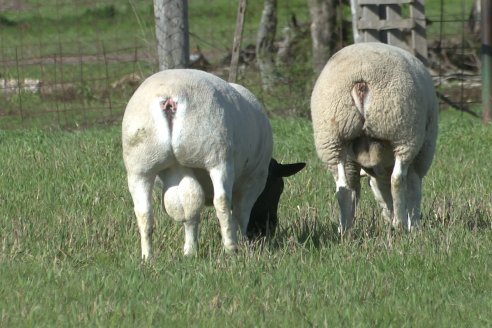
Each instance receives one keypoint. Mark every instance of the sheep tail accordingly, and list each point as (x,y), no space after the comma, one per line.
(169,107)
(360,95)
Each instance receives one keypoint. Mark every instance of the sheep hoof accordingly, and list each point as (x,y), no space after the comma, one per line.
(190,251)
(386,214)
(231,249)
(408,225)
(396,223)
(146,258)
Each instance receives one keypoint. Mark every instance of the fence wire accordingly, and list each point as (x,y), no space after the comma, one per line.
(76,63)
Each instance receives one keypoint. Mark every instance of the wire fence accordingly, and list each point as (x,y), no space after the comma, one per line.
(453,36)
(70,64)
(76,63)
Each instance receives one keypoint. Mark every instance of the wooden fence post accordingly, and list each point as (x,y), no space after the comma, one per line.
(381,20)
(171,31)
(236,46)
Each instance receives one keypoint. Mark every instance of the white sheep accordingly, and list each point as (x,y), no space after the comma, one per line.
(207,141)
(263,219)
(374,108)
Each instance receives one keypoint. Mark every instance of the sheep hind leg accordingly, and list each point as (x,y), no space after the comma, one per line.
(382,193)
(244,202)
(399,194)
(347,199)
(414,196)
(241,213)
(140,187)
(222,179)
(193,200)
(191,236)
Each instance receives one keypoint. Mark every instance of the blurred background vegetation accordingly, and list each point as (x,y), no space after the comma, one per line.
(76,63)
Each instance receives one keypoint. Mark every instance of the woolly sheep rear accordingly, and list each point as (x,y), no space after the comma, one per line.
(374,108)
(205,141)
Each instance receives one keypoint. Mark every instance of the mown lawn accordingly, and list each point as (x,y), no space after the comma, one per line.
(70,252)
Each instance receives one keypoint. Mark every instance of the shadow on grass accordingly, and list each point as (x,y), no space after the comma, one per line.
(301,234)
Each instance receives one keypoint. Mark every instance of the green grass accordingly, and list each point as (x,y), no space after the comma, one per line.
(69,251)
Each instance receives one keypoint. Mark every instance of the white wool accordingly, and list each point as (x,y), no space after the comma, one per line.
(208,141)
(374,107)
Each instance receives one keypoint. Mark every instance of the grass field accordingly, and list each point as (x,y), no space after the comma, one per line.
(70,247)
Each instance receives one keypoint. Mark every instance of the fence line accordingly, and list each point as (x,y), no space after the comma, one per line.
(54,74)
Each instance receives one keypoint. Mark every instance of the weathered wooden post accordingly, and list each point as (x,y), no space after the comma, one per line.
(486,54)
(381,20)
(265,54)
(236,47)
(171,30)
(323,31)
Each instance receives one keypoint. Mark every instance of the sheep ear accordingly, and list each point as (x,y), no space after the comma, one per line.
(285,170)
